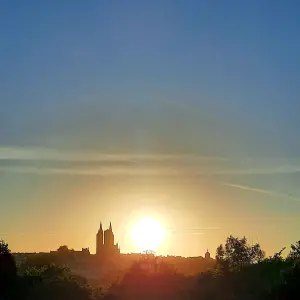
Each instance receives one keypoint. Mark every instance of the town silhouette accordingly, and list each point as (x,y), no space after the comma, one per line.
(239,268)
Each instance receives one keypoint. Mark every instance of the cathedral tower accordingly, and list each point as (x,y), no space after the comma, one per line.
(105,244)
(109,239)
(99,240)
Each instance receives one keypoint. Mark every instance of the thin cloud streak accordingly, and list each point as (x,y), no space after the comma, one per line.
(261,171)
(261,191)
(185,232)
(134,171)
(196,231)
(13,159)
(24,153)
(91,172)
(242,187)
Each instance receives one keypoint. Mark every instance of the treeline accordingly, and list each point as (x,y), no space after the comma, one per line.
(241,272)
(45,280)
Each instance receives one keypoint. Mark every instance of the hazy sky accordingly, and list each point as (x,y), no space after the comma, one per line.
(115,110)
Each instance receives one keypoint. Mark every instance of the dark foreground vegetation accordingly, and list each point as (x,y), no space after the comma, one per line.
(241,272)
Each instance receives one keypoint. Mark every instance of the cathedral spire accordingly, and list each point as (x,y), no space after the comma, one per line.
(110,227)
(100,228)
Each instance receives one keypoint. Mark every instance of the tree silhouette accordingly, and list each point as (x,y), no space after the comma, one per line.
(56,283)
(8,272)
(237,253)
(38,261)
(289,287)
(63,249)
(149,278)
(295,251)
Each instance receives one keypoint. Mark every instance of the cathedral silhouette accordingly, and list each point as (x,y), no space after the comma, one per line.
(106,249)
(105,243)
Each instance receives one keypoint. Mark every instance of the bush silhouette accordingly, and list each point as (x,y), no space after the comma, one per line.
(8,273)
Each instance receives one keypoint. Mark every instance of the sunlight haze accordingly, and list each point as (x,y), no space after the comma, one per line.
(180,112)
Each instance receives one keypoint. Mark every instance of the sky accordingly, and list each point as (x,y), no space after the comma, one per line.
(186,111)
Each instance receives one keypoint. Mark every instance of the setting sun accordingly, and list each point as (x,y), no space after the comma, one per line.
(148,234)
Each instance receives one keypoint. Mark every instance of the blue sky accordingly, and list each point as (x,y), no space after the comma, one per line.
(198,78)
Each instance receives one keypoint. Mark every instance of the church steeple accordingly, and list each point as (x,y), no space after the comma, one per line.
(100,228)
(105,242)
(99,239)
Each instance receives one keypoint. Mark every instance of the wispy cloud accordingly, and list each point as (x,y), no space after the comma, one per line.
(261,171)
(112,171)
(25,153)
(261,191)
(128,171)
(186,232)
(247,188)
(200,230)
(45,161)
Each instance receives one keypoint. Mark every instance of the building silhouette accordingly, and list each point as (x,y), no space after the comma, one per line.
(207,255)
(105,243)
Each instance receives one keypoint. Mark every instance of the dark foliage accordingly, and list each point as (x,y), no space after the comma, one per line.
(237,253)
(295,251)
(241,273)
(8,273)
(56,283)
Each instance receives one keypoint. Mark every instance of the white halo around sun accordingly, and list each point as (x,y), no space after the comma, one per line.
(148,234)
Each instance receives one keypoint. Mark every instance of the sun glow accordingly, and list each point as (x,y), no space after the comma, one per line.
(148,234)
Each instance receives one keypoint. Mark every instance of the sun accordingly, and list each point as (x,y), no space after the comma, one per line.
(148,234)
